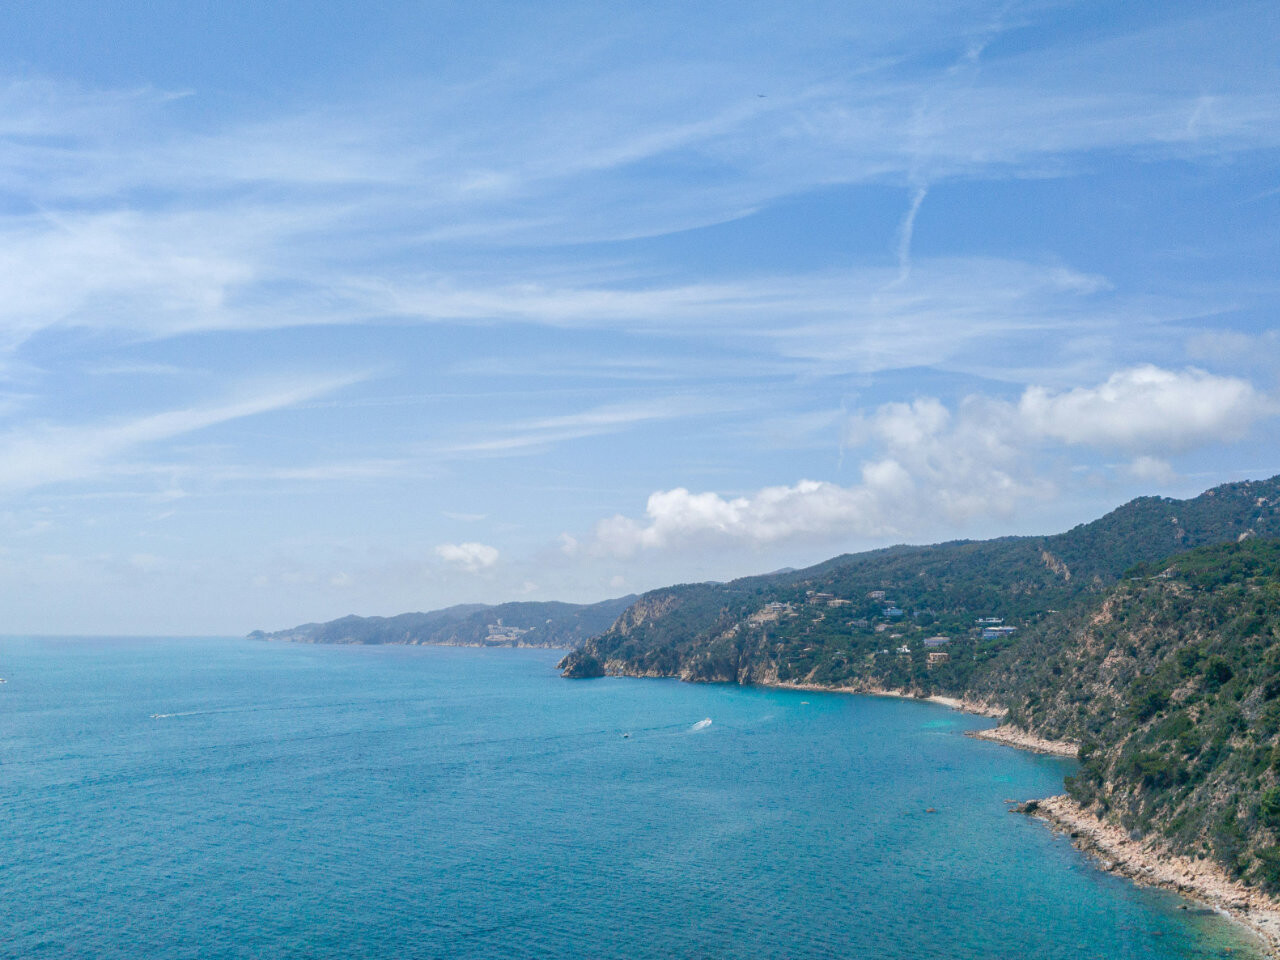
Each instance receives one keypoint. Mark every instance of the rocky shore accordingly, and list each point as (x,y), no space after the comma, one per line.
(965,705)
(1144,861)
(1015,737)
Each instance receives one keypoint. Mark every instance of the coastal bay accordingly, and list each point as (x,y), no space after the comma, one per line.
(414,801)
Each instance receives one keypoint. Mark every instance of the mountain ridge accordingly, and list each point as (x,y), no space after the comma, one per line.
(945,586)
(549,624)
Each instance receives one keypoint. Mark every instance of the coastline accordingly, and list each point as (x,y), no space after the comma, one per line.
(1012,736)
(1108,845)
(410,643)
(964,705)
(1143,862)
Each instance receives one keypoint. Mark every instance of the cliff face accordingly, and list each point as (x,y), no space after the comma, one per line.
(1166,673)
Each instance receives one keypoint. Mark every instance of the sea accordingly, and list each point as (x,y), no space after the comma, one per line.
(226,798)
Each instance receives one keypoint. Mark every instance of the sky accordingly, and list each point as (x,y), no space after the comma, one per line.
(309,309)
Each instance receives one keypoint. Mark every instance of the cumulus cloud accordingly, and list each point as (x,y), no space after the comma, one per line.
(931,465)
(774,513)
(1152,469)
(1146,409)
(471,557)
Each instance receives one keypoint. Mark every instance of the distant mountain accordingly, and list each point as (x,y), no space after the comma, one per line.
(522,624)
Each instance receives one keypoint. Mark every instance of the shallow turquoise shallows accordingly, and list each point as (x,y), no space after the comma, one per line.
(226,798)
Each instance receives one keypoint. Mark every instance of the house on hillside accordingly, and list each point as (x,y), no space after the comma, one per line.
(500,633)
(996,633)
(770,612)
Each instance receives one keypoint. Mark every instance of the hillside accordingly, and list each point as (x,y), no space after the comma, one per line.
(1151,637)
(834,624)
(525,624)
(1172,686)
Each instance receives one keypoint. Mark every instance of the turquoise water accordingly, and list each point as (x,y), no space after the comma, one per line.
(301,801)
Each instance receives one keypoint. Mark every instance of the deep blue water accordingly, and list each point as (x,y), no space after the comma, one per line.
(300,801)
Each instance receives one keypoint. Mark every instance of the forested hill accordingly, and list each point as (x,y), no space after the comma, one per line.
(1151,637)
(527,624)
(1171,684)
(831,623)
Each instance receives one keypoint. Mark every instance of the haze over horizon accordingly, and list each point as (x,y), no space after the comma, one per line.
(313,310)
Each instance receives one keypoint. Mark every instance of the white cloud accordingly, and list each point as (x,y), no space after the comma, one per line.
(935,468)
(471,557)
(149,226)
(932,466)
(1146,409)
(1153,470)
(811,508)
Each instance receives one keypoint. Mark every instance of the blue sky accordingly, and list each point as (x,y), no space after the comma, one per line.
(332,308)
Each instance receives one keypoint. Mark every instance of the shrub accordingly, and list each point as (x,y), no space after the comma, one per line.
(1148,703)
(1217,672)
(1269,807)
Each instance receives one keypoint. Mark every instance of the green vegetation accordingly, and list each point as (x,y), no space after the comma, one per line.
(1150,636)
(1180,667)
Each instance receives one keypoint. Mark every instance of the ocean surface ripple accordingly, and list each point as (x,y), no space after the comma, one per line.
(232,799)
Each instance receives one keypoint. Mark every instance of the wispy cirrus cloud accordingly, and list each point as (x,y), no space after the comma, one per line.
(242,225)
(36,455)
(534,435)
(738,213)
